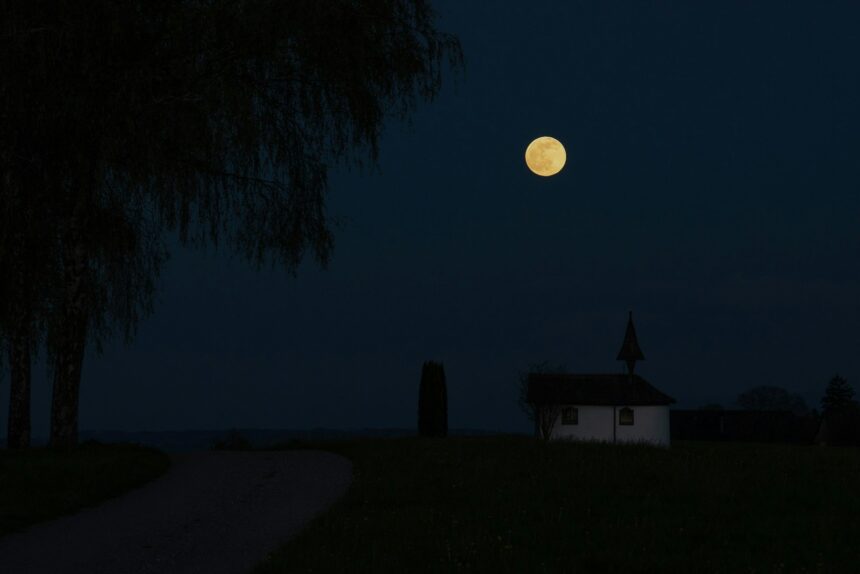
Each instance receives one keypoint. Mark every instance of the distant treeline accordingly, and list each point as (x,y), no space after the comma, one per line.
(743,425)
(773,414)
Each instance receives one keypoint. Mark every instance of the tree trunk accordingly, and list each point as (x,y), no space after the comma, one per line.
(71,343)
(548,415)
(19,339)
(67,383)
(18,435)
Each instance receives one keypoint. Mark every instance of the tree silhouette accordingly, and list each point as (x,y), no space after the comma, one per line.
(118,281)
(771,398)
(217,118)
(26,264)
(107,285)
(547,418)
(432,401)
(523,384)
(16,321)
(81,257)
(841,413)
(838,395)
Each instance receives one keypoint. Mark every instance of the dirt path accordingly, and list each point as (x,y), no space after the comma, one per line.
(212,513)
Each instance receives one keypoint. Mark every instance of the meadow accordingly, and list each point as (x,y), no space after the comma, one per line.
(514,504)
(39,484)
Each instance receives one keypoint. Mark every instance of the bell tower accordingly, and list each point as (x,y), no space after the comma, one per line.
(630,351)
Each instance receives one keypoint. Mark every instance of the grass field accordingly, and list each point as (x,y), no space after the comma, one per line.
(515,505)
(39,484)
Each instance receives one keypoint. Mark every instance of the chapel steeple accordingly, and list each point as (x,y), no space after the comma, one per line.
(630,351)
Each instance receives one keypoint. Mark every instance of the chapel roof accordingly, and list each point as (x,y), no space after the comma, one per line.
(594,389)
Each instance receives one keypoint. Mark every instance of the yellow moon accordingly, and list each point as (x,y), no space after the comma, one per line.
(545,156)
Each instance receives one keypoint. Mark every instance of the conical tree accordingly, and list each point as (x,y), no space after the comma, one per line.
(425,400)
(432,401)
(442,408)
(841,413)
(838,395)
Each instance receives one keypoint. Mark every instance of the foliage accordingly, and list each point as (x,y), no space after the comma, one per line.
(512,504)
(838,395)
(227,114)
(60,194)
(218,118)
(771,398)
(840,413)
(523,381)
(432,401)
(27,274)
(711,407)
(89,256)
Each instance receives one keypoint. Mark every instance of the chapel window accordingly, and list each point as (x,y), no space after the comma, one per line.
(570,416)
(625,416)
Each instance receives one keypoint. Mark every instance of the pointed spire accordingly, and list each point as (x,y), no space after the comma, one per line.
(630,351)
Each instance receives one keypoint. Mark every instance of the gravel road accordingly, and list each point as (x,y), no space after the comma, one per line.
(212,513)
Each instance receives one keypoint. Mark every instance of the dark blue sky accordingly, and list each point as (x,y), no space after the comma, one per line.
(711,187)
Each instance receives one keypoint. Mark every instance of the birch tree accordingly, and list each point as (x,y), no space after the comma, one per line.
(215,118)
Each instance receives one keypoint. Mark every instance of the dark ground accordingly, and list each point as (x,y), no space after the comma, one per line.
(213,513)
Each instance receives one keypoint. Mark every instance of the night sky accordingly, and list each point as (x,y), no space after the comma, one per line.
(711,187)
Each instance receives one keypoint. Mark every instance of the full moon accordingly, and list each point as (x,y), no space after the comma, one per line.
(545,156)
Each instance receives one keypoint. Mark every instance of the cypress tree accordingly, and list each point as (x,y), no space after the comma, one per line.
(432,401)
(442,411)
(424,397)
